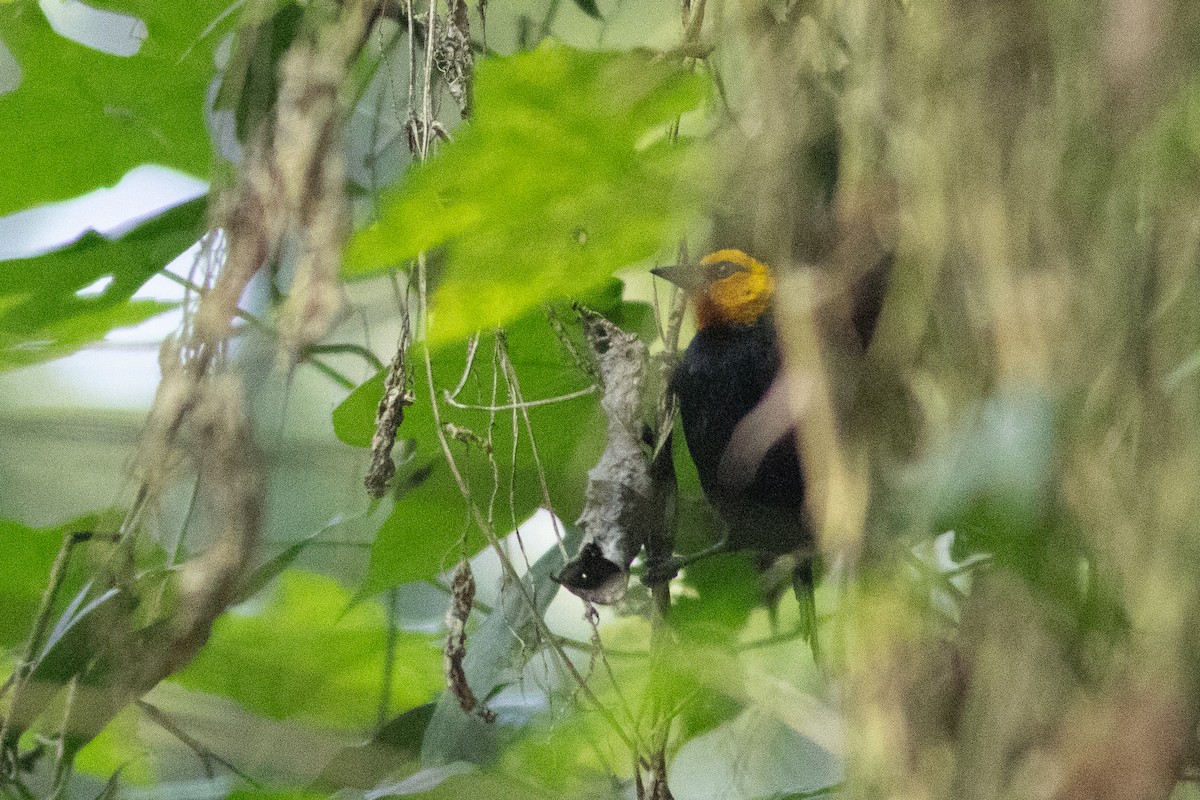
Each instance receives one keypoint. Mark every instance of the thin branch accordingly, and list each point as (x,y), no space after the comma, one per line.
(427,88)
(191,285)
(348,348)
(514,389)
(548,401)
(472,348)
(491,454)
(331,373)
(494,541)
(389,660)
(207,757)
(261,324)
(58,574)
(63,760)
(23,792)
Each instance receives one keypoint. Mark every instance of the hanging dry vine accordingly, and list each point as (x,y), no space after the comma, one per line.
(289,196)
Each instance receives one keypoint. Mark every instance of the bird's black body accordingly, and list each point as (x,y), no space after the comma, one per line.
(724,374)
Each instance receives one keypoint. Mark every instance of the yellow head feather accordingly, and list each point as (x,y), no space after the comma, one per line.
(737,289)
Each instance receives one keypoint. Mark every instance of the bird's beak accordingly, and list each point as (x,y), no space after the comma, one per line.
(685,276)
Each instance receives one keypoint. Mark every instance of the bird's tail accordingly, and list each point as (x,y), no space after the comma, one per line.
(804,584)
(801,568)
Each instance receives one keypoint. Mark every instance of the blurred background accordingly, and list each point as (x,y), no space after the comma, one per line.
(1003,484)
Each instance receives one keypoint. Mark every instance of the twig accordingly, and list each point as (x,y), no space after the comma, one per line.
(15,782)
(207,757)
(548,19)
(548,401)
(261,324)
(389,660)
(468,365)
(491,455)
(426,88)
(514,389)
(494,541)
(58,574)
(350,348)
(678,305)
(567,641)
(63,759)
(331,373)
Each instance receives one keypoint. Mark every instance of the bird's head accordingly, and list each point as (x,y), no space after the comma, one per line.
(727,287)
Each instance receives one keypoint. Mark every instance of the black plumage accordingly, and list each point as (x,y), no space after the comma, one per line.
(725,373)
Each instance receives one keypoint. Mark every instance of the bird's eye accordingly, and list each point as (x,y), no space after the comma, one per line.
(723,270)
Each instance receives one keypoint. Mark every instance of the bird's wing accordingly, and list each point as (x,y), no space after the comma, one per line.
(761,429)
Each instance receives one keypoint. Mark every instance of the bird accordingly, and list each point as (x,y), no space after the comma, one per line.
(725,373)
(735,413)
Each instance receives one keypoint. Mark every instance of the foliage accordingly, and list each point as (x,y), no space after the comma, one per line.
(552,185)
(277,663)
(29,555)
(495,454)
(43,314)
(1002,484)
(87,117)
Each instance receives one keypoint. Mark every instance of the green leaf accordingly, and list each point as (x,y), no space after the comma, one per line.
(393,750)
(415,540)
(301,657)
(727,588)
(493,651)
(276,794)
(485,784)
(551,187)
(43,317)
(425,525)
(760,755)
(29,555)
(560,756)
(81,118)
(118,750)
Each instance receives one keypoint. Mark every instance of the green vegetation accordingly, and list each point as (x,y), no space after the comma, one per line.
(1004,485)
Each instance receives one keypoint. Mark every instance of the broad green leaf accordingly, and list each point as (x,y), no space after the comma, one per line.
(490,785)
(43,317)
(81,118)
(301,657)
(65,336)
(493,659)
(424,526)
(276,794)
(569,756)
(727,588)
(418,539)
(393,750)
(118,748)
(418,783)
(760,756)
(551,187)
(29,555)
